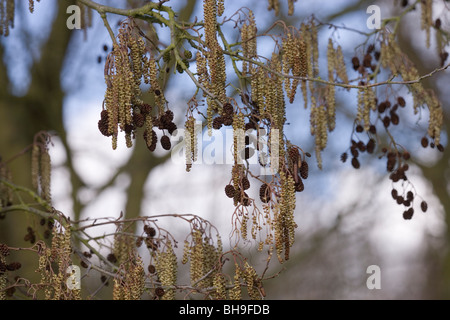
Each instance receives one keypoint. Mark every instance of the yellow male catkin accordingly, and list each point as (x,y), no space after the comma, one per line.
(219,283)
(314,48)
(45,177)
(197,256)
(339,63)
(215,57)
(318,127)
(235,292)
(250,276)
(3,280)
(238,136)
(220,7)
(274,5)
(35,155)
(331,106)
(291,7)
(307,61)
(155,86)
(137,279)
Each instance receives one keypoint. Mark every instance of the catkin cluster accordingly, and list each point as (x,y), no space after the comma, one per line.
(7,16)
(268,100)
(219,284)
(41,169)
(273,92)
(238,136)
(167,268)
(235,293)
(123,248)
(85,17)
(125,67)
(295,61)
(274,5)
(129,281)
(4,251)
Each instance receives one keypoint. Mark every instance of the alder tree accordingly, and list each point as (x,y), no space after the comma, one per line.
(236,88)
